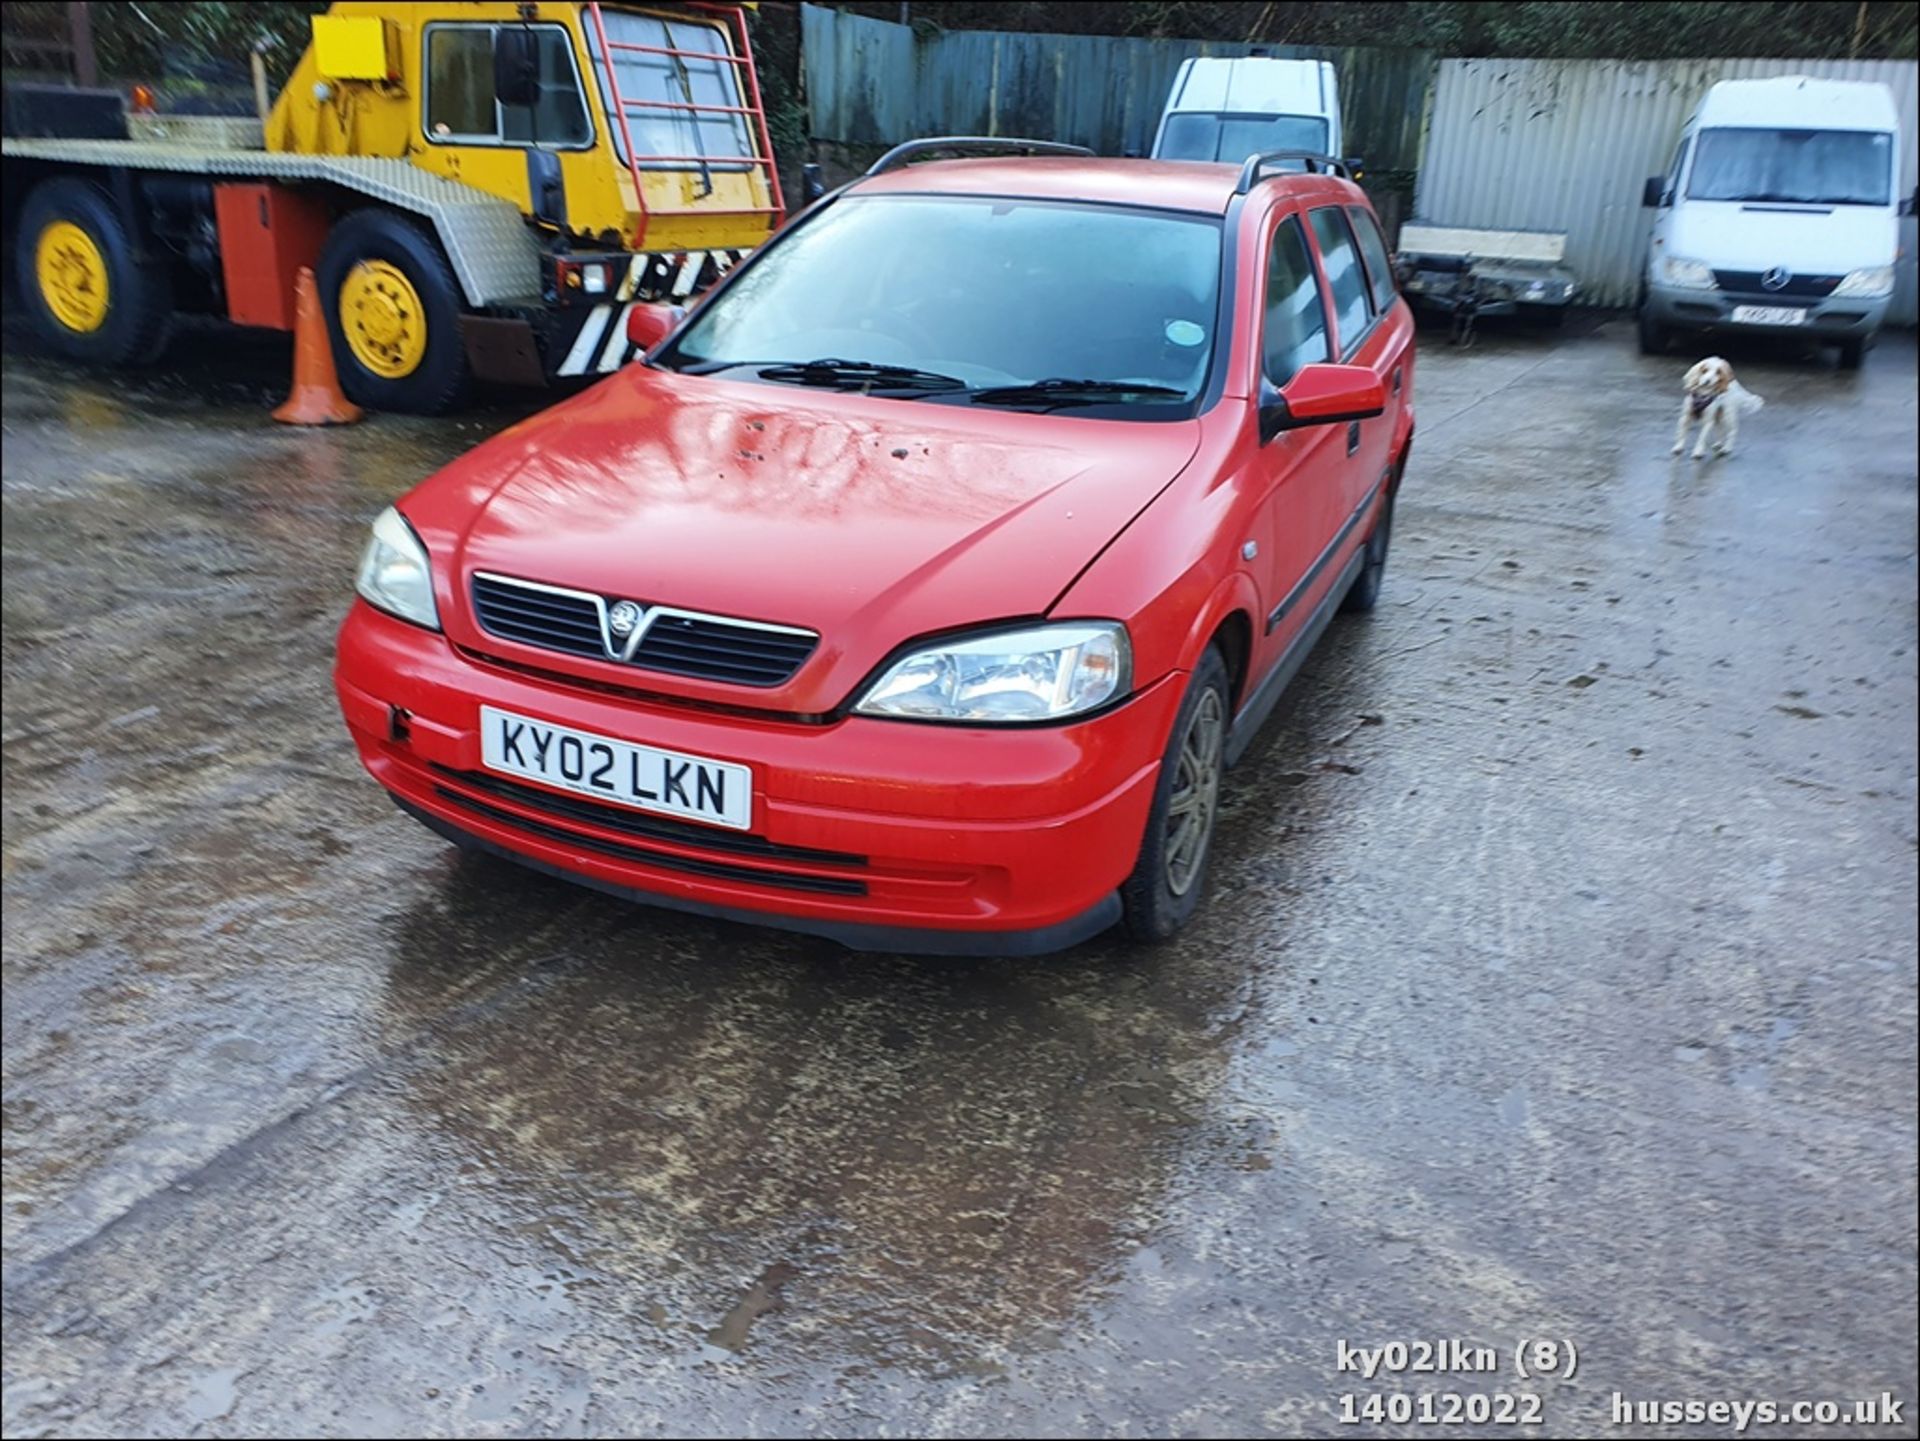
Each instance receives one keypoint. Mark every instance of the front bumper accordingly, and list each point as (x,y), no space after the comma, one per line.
(1829,318)
(879,834)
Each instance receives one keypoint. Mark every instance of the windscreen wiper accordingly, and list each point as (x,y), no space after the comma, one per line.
(1061,390)
(859,375)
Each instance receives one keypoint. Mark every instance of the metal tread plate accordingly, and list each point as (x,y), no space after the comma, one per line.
(487,239)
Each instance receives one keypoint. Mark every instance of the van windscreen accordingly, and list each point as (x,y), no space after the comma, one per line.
(1204,135)
(1807,167)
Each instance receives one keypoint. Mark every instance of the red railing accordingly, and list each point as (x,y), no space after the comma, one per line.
(762,159)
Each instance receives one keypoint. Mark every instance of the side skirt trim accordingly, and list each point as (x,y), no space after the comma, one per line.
(1305,584)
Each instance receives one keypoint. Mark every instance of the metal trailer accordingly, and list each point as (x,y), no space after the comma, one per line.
(1466,274)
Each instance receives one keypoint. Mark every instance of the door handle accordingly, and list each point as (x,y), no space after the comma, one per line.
(1353,436)
(1396,379)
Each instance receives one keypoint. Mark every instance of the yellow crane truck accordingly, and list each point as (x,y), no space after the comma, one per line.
(481,189)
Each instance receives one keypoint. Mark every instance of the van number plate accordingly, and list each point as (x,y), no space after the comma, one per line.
(665,782)
(1768,315)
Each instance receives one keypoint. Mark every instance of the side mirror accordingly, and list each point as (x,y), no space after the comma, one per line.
(1355,163)
(516,66)
(1321,395)
(813,184)
(648,325)
(1654,193)
(1911,204)
(547,188)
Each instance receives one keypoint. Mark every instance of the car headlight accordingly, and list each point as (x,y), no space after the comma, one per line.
(394,573)
(1875,280)
(1045,673)
(1689,274)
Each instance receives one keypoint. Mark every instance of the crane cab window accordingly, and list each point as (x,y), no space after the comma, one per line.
(460,104)
(683,110)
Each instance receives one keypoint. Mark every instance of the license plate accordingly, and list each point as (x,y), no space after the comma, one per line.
(643,777)
(1768,315)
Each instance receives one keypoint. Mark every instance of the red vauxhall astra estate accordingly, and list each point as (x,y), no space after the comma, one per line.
(920,585)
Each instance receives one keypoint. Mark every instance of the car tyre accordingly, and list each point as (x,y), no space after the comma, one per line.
(88,294)
(1364,594)
(393,312)
(1852,354)
(1169,878)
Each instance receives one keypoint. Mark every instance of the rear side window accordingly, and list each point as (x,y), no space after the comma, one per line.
(1351,310)
(1673,175)
(1295,327)
(1374,250)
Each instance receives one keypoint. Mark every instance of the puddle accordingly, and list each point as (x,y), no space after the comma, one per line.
(762,1296)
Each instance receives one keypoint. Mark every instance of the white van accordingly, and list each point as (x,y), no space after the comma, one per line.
(1230,109)
(1778,214)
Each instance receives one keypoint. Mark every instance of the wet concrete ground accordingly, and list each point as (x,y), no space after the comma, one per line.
(1575,998)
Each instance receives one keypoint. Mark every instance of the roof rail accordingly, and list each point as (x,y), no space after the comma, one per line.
(902,153)
(1317,164)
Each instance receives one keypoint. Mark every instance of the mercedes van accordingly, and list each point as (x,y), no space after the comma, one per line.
(1777,215)
(1230,109)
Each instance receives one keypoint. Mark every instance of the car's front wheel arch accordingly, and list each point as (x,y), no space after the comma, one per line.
(1164,889)
(1233,638)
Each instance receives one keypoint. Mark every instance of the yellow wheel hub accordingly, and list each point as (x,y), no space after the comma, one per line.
(382,318)
(73,276)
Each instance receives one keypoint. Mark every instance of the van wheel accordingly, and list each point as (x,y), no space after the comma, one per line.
(393,315)
(88,294)
(1169,877)
(1852,354)
(1653,336)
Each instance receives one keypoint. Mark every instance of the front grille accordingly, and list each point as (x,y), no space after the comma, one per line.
(641,824)
(716,649)
(1803,286)
(553,620)
(677,642)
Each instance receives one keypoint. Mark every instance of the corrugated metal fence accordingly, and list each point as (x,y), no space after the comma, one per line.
(1567,144)
(1509,144)
(871,82)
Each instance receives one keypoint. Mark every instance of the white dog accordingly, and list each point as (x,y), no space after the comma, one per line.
(1716,400)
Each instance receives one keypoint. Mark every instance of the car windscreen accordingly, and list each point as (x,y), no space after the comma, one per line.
(1809,167)
(1203,135)
(983,293)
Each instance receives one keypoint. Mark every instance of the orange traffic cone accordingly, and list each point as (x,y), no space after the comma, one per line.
(316,398)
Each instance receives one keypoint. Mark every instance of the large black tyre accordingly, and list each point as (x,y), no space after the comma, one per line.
(1654,337)
(1852,354)
(1164,890)
(137,298)
(374,242)
(1364,594)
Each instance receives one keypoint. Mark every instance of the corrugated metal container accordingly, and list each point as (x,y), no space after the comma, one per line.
(871,82)
(1567,145)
